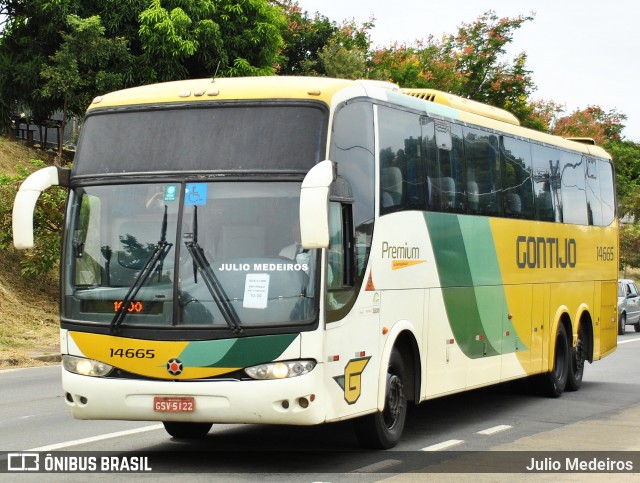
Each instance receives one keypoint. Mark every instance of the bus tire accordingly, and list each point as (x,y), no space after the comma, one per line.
(383,429)
(187,430)
(577,358)
(553,383)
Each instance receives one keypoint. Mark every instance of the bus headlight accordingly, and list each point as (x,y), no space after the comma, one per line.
(85,367)
(281,370)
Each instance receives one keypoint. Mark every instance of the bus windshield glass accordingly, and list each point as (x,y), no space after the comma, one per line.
(219,255)
(236,137)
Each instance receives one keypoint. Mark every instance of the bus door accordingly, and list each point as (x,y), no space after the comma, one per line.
(352,335)
(608,319)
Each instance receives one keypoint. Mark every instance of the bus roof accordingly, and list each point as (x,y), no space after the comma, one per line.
(318,88)
(432,101)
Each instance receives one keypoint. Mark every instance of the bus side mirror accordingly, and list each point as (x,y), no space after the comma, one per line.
(314,205)
(25,202)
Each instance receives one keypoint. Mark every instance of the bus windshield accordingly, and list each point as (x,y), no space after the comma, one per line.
(202,138)
(220,255)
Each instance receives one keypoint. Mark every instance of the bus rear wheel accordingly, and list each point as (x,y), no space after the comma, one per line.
(577,358)
(553,383)
(187,430)
(383,429)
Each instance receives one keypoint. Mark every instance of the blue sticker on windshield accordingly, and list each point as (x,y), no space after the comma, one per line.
(195,194)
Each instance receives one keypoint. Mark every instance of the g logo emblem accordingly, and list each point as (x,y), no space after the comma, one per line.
(351,381)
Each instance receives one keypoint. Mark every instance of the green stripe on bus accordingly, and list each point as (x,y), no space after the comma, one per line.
(236,352)
(471,282)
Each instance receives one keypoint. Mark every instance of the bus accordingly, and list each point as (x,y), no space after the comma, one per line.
(291,250)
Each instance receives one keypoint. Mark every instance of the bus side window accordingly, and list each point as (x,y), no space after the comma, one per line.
(483,171)
(594,201)
(607,193)
(401,161)
(572,188)
(445,167)
(516,169)
(546,183)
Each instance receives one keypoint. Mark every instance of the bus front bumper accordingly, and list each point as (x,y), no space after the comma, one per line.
(296,400)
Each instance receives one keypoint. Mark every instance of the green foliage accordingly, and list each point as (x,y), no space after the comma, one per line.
(132,42)
(303,39)
(47,222)
(83,65)
(338,60)
(626,156)
(470,64)
(629,246)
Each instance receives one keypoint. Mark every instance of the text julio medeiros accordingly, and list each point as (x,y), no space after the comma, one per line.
(579,464)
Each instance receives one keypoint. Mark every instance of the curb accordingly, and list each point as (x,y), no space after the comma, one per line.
(48,358)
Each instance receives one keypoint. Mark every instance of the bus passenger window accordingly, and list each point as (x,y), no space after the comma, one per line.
(607,193)
(483,169)
(546,183)
(401,161)
(572,176)
(518,188)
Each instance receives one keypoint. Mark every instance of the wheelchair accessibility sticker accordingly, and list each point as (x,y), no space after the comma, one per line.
(195,194)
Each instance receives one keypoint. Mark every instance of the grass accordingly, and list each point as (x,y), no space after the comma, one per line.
(29,323)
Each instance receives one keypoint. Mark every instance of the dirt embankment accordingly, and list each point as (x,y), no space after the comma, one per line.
(29,324)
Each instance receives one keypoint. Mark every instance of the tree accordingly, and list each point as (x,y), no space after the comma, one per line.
(320,47)
(194,38)
(303,39)
(420,65)
(345,53)
(602,126)
(470,64)
(80,68)
(166,40)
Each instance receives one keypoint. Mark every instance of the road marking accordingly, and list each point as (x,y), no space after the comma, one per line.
(75,442)
(443,445)
(627,341)
(494,430)
(378,467)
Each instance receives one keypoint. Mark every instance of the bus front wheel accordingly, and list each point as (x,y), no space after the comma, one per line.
(383,429)
(187,430)
(553,383)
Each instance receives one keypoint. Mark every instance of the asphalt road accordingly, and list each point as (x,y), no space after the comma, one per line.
(604,415)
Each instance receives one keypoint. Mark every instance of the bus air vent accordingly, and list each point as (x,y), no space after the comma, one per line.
(462,104)
(589,141)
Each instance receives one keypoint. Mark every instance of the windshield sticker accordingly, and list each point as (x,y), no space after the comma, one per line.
(256,291)
(195,194)
(170,192)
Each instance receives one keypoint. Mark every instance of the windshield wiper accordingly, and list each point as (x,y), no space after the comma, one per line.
(201,264)
(160,251)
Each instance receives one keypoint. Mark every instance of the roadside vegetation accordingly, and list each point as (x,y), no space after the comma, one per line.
(29,325)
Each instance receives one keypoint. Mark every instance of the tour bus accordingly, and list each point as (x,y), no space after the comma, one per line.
(308,250)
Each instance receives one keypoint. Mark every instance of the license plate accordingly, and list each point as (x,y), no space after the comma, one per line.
(174,404)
